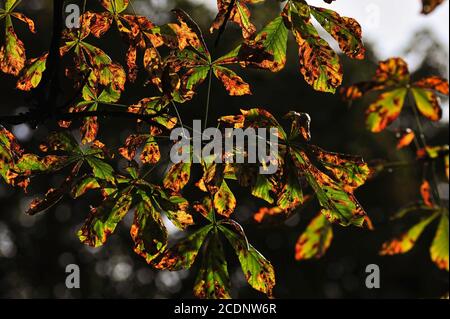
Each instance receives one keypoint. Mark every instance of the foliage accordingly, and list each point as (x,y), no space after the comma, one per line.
(176,61)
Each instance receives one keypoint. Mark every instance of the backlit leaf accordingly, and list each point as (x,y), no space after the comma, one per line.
(148,231)
(346,31)
(213,281)
(183,254)
(32,74)
(102,221)
(385,110)
(428,6)
(258,271)
(406,241)
(439,247)
(315,240)
(405,138)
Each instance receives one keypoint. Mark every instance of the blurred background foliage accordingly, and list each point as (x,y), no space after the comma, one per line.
(34,251)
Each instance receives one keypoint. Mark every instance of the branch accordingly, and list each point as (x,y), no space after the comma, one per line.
(30,117)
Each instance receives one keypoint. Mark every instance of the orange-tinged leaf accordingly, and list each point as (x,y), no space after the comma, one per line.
(427,103)
(406,241)
(89,130)
(346,31)
(439,247)
(189,33)
(240,14)
(265,211)
(446,163)
(12,53)
(132,143)
(102,221)
(25,19)
(115,6)
(385,110)
(258,271)
(319,64)
(315,240)
(391,73)
(435,83)
(183,254)
(213,281)
(148,232)
(10,153)
(99,23)
(32,73)
(405,138)
(150,153)
(232,82)
(177,176)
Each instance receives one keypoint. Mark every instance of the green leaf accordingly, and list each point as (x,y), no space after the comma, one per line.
(439,247)
(102,221)
(339,202)
(101,169)
(183,254)
(177,177)
(262,188)
(32,74)
(319,64)
(258,271)
(84,185)
(273,40)
(427,103)
(407,240)
(148,231)
(316,239)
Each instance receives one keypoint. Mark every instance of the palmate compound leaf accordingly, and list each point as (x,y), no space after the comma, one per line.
(316,239)
(67,153)
(213,280)
(333,177)
(393,79)
(319,64)
(148,231)
(194,64)
(12,51)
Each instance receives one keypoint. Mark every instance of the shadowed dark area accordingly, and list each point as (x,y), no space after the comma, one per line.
(34,250)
